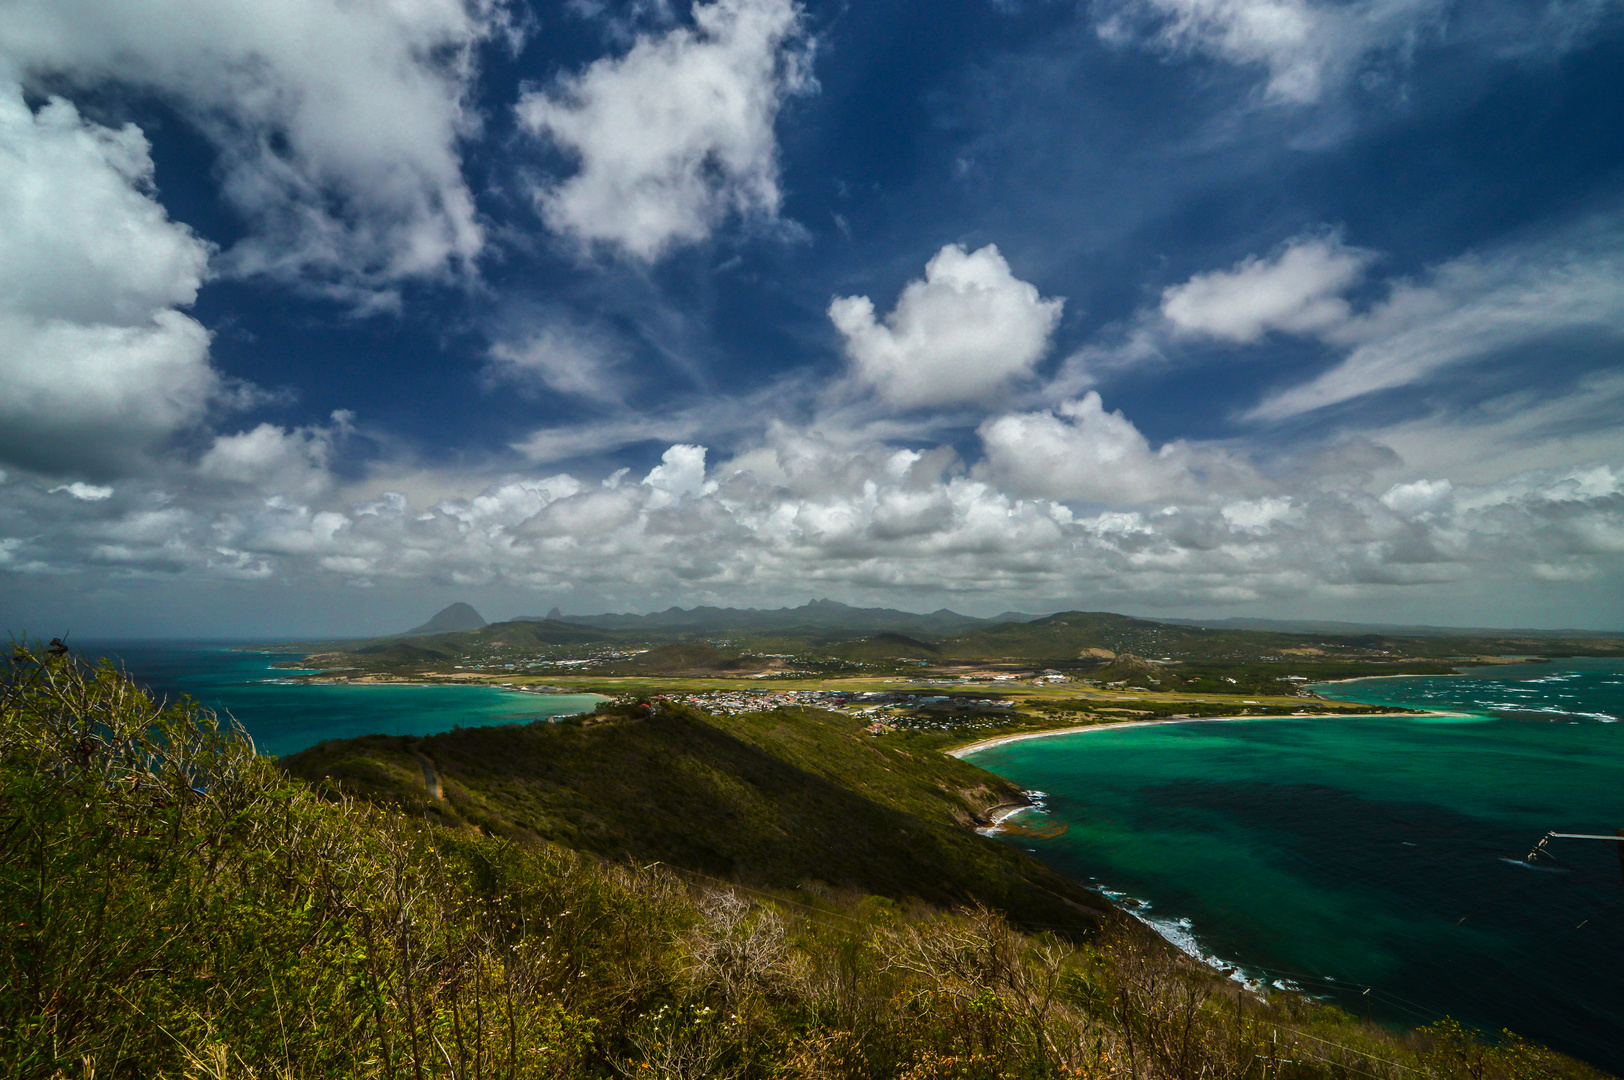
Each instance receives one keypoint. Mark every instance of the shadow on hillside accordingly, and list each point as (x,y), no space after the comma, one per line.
(676,789)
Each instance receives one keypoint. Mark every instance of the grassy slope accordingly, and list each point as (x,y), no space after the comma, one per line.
(773,799)
(696,657)
(886,647)
(1066,635)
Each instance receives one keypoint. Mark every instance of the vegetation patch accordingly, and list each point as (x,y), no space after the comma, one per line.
(177,907)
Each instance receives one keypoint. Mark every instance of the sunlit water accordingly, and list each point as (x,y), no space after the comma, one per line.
(1381,853)
(285,716)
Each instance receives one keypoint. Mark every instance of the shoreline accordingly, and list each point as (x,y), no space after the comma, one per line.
(1367,678)
(1000,740)
(369,681)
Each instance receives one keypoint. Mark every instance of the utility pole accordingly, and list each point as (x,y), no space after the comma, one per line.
(1616,838)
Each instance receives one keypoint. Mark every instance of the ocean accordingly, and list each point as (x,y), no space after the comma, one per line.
(284,716)
(1373,861)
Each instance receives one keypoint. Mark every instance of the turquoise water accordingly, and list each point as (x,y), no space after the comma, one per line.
(1380,853)
(285,716)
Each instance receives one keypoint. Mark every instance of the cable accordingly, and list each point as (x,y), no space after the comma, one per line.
(1351,1050)
(1541,947)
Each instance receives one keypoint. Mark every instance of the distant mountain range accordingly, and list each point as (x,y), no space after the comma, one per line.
(826,619)
(817,616)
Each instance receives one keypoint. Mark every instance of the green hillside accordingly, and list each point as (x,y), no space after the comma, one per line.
(883,647)
(1094,636)
(176,907)
(775,799)
(683,658)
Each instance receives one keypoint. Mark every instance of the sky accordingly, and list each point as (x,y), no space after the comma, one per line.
(317,315)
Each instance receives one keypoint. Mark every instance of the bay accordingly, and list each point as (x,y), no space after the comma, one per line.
(1377,854)
(284,715)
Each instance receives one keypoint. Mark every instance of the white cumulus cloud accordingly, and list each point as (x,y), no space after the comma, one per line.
(1080,451)
(681,471)
(1260,515)
(287,461)
(1418,497)
(676,134)
(964,331)
(337,123)
(98,362)
(1298,290)
(799,513)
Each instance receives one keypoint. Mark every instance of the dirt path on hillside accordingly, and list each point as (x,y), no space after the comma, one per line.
(431,778)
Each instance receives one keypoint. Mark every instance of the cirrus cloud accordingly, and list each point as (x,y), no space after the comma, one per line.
(1306,49)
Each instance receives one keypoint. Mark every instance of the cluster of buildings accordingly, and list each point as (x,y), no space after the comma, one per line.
(733,702)
(495,660)
(871,703)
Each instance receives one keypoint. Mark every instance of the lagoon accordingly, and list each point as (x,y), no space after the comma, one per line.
(1377,854)
(285,715)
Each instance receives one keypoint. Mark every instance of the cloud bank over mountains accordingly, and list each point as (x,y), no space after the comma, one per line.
(725,392)
(1115,519)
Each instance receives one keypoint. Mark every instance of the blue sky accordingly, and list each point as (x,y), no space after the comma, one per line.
(316,315)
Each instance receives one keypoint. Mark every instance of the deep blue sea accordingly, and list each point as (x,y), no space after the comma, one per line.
(285,716)
(1374,853)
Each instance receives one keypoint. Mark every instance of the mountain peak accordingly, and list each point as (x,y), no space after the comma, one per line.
(457,617)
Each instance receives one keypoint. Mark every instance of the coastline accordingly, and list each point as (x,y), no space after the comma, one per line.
(988,744)
(1180,932)
(370,680)
(1367,678)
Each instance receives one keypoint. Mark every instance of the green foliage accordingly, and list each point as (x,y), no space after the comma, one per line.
(696,657)
(175,906)
(769,799)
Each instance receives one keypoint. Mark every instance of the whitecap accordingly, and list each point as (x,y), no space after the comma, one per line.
(1180,933)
